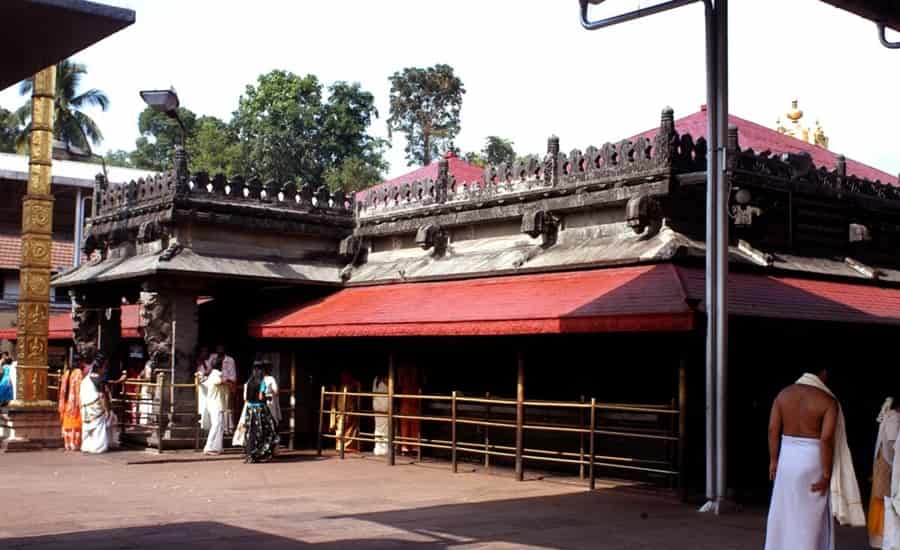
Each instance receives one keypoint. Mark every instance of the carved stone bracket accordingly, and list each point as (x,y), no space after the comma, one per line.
(540,223)
(433,236)
(644,215)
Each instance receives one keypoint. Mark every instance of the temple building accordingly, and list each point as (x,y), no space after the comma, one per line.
(573,276)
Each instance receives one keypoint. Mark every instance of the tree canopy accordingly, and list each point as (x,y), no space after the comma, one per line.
(9,130)
(425,106)
(159,134)
(71,125)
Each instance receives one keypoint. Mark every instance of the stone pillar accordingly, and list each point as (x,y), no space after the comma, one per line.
(169,323)
(31,420)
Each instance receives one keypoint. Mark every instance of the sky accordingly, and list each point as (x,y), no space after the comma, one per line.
(528,68)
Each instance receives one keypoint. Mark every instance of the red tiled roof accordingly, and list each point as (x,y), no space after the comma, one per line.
(458,168)
(802,299)
(629,299)
(11,250)
(760,138)
(61,325)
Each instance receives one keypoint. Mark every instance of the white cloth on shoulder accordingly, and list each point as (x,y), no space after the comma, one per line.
(799,519)
(846,502)
(95,421)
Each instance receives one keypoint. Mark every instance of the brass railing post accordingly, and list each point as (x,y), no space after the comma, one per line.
(160,388)
(487,435)
(453,431)
(591,444)
(520,416)
(342,424)
(419,431)
(581,441)
(390,411)
(321,419)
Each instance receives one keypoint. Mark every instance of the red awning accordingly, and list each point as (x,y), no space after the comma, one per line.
(802,299)
(61,325)
(645,298)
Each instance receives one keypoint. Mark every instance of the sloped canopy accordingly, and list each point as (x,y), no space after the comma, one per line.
(40,33)
(879,11)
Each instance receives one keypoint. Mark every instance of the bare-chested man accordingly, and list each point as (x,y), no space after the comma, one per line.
(803,428)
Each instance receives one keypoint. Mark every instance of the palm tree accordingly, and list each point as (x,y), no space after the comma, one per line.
(71,126)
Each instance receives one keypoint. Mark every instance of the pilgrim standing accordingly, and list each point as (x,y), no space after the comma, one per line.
(272,398)
(380,407)
(261,437)
(70,405)
(811,466)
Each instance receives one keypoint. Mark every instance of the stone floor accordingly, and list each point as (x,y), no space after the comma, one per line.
(134,500)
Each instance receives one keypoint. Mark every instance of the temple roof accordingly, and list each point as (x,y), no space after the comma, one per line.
(459,169)
(760,138)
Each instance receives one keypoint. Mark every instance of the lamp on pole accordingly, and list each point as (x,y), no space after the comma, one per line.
(166,101)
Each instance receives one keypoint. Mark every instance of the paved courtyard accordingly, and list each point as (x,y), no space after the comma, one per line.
(135,500)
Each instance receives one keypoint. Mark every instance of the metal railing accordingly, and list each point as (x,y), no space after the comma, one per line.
(585,419)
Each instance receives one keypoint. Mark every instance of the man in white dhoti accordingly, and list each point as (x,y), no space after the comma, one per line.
(211,419)
(95,415)
(273,399)
(380,406)
(811,465)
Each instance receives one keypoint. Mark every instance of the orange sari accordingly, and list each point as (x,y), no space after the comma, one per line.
(70,408)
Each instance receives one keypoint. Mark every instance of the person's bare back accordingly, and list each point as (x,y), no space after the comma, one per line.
(803,410)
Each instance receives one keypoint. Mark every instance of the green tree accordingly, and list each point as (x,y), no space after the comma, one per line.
(475,158)
(9,130)
(497,150)
(214,147)
(71,125)
(159,134)
(288,132)
(425,106)
(353,174)
(118,157)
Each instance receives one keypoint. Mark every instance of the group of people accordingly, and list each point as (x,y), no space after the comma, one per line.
(812,468)
(89,424)
(257,428)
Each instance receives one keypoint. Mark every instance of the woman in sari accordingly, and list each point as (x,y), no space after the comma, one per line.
(6,387)
(261,434)
(96,419)
(70,405)
(881,510)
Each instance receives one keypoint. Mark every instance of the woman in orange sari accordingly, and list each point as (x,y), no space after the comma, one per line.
(70,407)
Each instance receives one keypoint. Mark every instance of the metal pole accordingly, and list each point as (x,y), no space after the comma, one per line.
(342,424)
(390,412)
(419,433)
(591,444)
(79,227)
(722,255)
(520,415)
(160,383)
(636,14)
(321,419)
(711,248)
(453,431)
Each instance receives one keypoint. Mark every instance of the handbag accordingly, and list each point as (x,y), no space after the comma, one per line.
(240,431)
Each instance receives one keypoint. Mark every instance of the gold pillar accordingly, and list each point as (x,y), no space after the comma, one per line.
(37,227)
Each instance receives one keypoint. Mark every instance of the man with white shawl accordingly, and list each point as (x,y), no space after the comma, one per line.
(812,468)
(212,417)
(884,505)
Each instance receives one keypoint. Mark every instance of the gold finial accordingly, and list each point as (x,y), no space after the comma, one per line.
(795,114)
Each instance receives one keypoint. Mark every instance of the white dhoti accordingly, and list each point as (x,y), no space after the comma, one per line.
(799,519)
(381,446)
(94,419)
(216,433)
